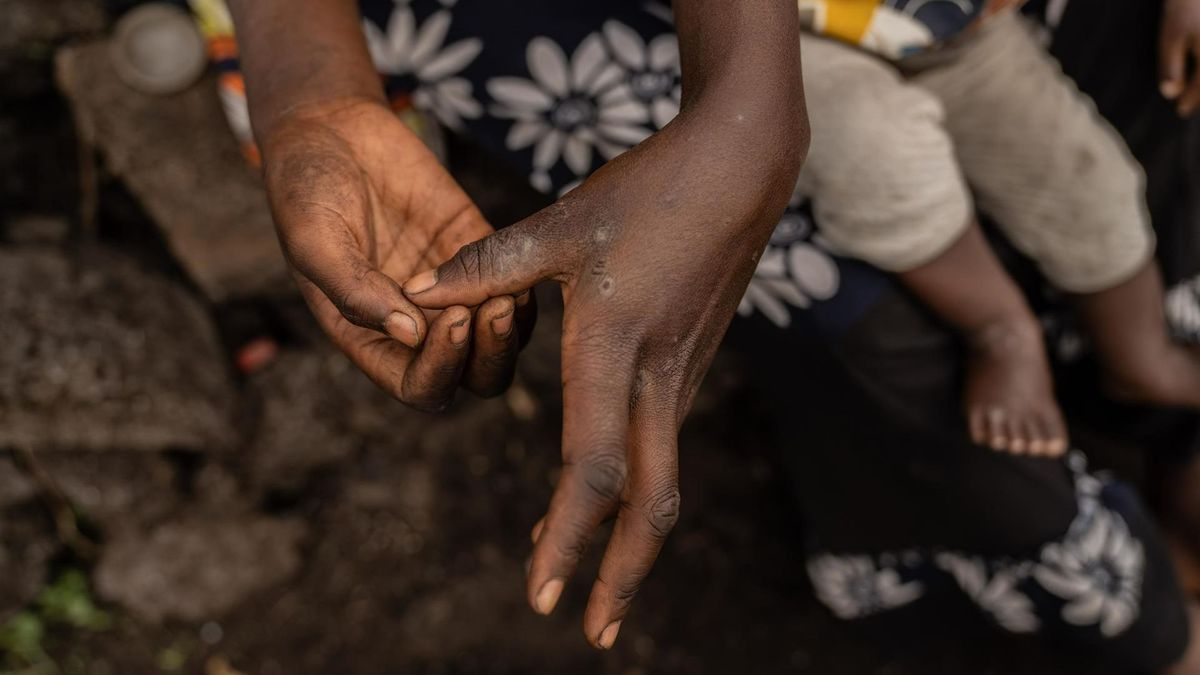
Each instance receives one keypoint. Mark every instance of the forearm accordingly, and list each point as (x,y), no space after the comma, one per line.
(741,62)
(298,53)
(742,115)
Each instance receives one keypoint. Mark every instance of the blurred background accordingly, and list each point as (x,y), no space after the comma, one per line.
(193,481)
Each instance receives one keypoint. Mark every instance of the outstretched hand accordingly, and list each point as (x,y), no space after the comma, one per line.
(652,253)
(1179,55)
(361,204)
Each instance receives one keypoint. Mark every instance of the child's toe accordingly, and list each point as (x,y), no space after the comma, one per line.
(997,429)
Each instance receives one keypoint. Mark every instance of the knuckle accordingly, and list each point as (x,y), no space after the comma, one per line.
(570,549)
(622,591)
(470,259)
(604,475)
(662,510)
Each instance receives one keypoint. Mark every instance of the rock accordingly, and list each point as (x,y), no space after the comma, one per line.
(115,490)
(178,157)
(97,355)
(37,229)
(30,22)
(15,486)
(27,544)
(307,411)
(196,570)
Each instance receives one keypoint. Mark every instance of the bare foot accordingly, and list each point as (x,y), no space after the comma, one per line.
(1190,663)
(1009,395)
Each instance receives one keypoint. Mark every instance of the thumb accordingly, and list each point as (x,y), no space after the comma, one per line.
(506,262)
(359,291)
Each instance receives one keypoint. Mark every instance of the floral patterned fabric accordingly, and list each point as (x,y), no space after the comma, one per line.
(1090,579)
(567,86)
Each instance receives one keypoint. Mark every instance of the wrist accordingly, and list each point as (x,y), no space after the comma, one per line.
(305,115)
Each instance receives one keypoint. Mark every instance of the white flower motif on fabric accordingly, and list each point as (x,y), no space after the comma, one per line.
(854,586)
(652,71)
(562,111)
(997,594)
(792,271)
(1098,572)
(420,52)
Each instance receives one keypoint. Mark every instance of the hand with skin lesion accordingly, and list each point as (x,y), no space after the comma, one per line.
(1179,55)
(360,205)
(652,254)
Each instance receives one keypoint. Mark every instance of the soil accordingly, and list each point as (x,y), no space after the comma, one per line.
(294,520)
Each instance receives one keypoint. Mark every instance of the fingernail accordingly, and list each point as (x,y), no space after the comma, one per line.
(402,327)
(609,636)
(1170,88)
(536,533)
(547,598)
(458,331)
(523,299)
(421,283)
(502,325)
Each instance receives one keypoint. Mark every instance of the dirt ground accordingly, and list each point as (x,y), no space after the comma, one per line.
(296,521)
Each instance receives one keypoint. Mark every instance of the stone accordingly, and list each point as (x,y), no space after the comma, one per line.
(177,155)
(198,569)
(27,544)
(96,354)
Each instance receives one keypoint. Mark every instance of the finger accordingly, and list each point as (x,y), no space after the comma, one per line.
(326,255)
(527,312)
(433,376)
(595,420)
(1189,101)
(643,523)
(536,532)
(1172,63)
(507,262)
(493,349)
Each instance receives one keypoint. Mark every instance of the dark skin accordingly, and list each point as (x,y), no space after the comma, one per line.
(360,205)
(652,254)
(1179,54)
(1009,395)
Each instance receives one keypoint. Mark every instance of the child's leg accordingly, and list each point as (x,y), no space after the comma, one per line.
(1009,397)
(1064,188)
(886,188)
(1129,334)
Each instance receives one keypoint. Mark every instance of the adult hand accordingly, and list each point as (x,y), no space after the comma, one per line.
(653,253)
(360,203)
(1179,52)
